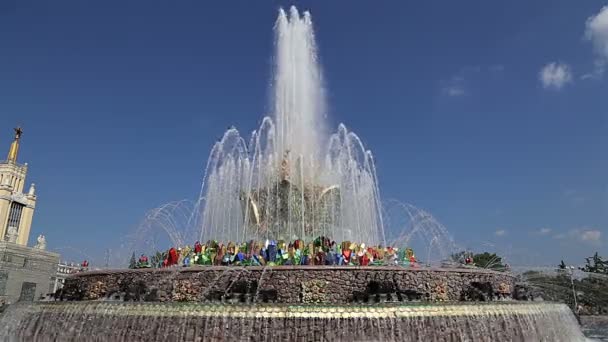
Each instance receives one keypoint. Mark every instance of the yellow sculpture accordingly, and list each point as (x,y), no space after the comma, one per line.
(409,253)
(14,149)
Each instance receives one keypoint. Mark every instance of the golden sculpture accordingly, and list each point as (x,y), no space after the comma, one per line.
(14,149)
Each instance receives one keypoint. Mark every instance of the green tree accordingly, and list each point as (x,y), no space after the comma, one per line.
(595,264)
(487,260)
(483,260)
(133,261)
(591,290)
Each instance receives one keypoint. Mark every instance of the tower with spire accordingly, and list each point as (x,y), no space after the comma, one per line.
(16,207)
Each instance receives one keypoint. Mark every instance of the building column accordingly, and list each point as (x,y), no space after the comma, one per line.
(4,208)
(25,225)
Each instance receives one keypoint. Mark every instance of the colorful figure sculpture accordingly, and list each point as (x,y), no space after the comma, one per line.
(411,257)
(468,260)
(320,251)
(379,255)
(364,259)
(180,256)
(226,259)
(307,255)
(409,253)
(143,262)
(330,258)
(259,260)
(240,258)
(393,255)
(222,250)
(205,258)
(319,258)
(346,256)
(172,257)
(297,257)
(345,245)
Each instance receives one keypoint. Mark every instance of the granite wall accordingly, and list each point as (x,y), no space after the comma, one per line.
(290,284)
(25,272)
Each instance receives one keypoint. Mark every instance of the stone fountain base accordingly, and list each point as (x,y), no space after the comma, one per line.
(99,321)
(291,285)
(290,303)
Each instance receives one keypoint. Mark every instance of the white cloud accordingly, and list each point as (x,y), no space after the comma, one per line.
(544,231)
(500,232)
(555,75)
(591,235)
(596,31)
(461,83)
(559,236)
(497,68)
(574,197)
(586,235)
(454,90)
(455,86)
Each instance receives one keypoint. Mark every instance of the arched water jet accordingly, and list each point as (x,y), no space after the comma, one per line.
(171,224)
(414,227)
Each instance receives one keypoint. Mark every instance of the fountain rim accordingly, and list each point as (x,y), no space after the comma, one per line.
(201,268)
(283,311)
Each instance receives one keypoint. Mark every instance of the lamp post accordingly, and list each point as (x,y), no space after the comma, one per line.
(107,257)
(571,273)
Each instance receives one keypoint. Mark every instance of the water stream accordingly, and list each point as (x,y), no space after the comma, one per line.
(103,321)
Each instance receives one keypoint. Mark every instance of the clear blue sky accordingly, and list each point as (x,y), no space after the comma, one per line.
(121,102)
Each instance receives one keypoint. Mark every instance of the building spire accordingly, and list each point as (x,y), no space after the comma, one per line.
(14,150)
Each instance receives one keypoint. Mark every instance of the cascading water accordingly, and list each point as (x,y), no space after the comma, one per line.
(292,180)
(97,321)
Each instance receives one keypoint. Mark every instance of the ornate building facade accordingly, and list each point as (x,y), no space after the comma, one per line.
(25,272)
(16,207)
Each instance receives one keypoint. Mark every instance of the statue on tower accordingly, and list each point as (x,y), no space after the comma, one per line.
(41,242)
(18,132)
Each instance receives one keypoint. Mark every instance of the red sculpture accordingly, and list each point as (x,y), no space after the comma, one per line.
(346,255)
(172,257)
(364,261)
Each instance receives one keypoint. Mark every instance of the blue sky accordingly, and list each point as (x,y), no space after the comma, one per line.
(490,115)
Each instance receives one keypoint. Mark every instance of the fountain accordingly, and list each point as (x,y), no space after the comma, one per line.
(291,181)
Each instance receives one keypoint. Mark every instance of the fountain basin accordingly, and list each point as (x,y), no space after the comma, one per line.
(291,284)
(104,321)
